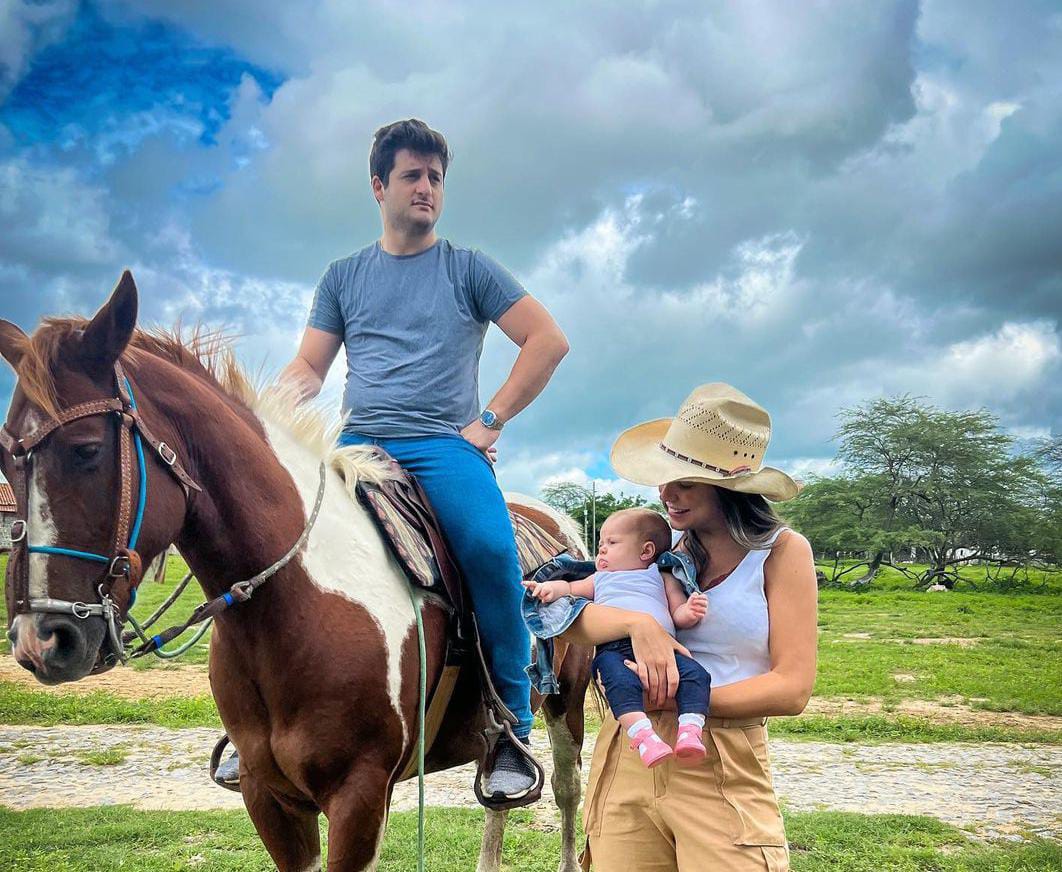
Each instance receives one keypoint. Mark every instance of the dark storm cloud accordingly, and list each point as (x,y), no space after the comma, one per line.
(817,204)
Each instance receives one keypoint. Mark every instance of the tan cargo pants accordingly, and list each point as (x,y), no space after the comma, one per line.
(721,814)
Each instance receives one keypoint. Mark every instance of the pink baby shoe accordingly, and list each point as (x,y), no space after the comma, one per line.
(689,746)
(652,749)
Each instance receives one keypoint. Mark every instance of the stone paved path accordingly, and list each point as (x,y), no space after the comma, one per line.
(999,789)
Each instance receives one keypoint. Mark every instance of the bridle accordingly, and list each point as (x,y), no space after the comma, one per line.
(117,587)
(123,574)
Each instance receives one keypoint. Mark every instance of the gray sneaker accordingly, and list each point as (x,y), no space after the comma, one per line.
(512,776)
(228,773)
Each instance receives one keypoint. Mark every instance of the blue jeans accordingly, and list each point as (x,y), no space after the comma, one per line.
(459,481)
(623,688)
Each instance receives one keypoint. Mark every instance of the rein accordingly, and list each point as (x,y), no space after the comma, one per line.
(239,592)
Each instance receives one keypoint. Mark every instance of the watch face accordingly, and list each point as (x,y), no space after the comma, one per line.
(488,418)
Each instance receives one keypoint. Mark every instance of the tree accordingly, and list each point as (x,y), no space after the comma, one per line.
(847,514)
(1047,539)
(974,494)
(879,445)
(947,484)
(566,496)
(588,509)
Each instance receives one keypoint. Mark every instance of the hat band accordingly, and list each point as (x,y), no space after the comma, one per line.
(737,470)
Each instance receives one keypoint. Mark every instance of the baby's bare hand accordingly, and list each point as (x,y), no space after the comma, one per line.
(698,605)
(545,591)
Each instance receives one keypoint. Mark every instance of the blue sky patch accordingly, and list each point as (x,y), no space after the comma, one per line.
(126,82)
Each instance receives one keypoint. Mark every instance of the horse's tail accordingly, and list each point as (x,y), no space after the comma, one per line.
(557,524)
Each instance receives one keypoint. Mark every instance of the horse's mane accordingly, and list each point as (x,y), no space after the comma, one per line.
(207,355)
(203,353)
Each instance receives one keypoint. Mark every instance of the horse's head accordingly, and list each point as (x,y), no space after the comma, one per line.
(70,449)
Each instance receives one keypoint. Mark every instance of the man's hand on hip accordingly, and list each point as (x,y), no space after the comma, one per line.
(483,438)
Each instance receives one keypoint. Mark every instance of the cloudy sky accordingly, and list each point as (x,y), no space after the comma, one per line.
(818,202)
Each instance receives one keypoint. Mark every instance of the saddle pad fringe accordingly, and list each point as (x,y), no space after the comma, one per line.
(534,546)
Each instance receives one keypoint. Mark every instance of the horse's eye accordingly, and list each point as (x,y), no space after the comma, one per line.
(87,453)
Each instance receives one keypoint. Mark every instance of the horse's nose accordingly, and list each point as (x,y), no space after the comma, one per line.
(27,664)
(70,650)
(12,634)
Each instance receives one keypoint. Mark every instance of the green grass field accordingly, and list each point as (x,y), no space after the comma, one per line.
(118,838)
(991,651)
(997,651)
(886,645)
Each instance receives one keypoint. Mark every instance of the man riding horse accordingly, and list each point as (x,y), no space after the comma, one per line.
(412,310)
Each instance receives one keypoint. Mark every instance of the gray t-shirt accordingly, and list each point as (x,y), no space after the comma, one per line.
(413,329)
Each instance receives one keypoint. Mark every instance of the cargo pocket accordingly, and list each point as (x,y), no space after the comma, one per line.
(775,858)
(747,790)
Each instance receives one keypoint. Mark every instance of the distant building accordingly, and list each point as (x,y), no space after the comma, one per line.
(7,515)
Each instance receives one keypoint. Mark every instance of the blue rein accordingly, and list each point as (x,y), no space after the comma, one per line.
(134,535)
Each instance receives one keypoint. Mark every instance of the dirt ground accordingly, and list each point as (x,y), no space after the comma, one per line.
(157,683)
(186,681)
(945,711)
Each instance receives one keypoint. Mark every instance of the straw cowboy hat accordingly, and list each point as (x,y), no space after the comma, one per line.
(719,436)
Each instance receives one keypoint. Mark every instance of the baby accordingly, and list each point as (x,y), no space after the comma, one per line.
(627,577)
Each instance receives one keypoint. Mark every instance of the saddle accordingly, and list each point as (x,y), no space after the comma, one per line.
(408,525)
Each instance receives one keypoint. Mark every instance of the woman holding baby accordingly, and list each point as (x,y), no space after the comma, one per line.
(757,641)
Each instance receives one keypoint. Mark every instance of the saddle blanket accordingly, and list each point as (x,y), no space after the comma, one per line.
(409,527)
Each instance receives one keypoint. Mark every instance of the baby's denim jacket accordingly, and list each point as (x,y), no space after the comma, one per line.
(548,620)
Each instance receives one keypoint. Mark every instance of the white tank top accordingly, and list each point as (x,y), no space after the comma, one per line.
(639,590)
(731,642)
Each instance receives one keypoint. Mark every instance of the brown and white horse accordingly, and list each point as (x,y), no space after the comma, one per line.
(316,677)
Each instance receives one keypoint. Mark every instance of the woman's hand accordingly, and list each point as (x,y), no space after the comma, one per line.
(654,651)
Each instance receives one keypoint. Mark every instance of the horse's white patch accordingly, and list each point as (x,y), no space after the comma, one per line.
(40,531)
(490,849)
(28,644)
(345,554)
(315,865)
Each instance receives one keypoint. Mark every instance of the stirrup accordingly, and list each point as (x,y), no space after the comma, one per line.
(215,762)
(493,735)
(500,723)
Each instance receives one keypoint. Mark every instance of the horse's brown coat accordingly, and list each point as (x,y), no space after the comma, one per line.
(298,672)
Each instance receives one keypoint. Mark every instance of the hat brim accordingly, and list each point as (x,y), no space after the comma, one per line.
(636,456)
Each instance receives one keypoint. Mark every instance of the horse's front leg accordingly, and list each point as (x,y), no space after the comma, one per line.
(357,816)
(291,834)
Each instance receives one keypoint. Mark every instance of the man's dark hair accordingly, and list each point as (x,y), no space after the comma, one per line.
(413,134)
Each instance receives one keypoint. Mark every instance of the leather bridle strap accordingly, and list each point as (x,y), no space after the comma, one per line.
(20,487)
(166,454)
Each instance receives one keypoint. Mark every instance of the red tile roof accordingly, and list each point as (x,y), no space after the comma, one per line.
(7,498)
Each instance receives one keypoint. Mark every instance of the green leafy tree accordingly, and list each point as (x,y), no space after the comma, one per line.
(1047,538)
(946,484)
(591,510)
(846,515)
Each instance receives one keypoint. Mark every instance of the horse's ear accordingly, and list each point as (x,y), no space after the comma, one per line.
(112,327)
(12,342)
